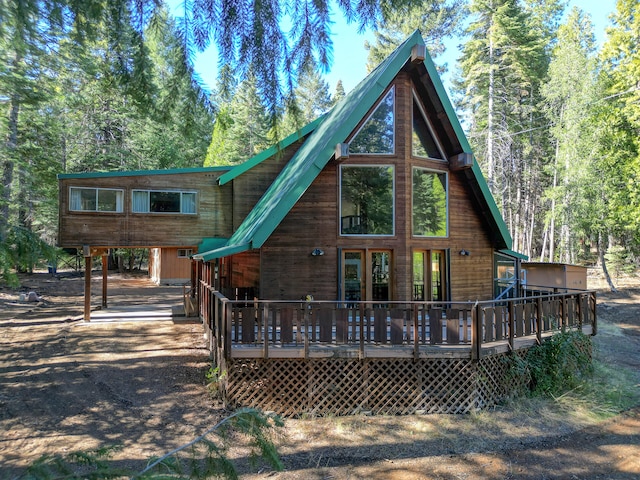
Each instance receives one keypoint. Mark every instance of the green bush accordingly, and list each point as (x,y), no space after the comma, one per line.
(559,364)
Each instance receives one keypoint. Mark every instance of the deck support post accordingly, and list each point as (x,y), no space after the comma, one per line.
(594,325)
(539,320)
(87,283)
(105,274)
(512,324)
(476,333)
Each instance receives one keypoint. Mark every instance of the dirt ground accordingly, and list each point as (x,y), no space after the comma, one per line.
(67,385)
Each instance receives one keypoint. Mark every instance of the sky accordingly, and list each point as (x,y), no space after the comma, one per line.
(350,56)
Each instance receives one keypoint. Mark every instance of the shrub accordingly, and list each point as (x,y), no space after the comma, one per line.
(559,364)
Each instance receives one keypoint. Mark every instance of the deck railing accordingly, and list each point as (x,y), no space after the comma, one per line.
(264,328)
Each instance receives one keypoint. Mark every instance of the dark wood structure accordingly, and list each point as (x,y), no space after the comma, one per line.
(355,266)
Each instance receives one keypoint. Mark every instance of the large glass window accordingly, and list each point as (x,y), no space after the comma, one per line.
(429,203)
(82,199)
(377,133)
(156,201)
(423,142)
(366,200)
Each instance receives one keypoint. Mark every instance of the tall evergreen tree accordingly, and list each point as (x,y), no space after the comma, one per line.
(436,20)
(569,95)
(619,119)
(242,127)
(309,100)
(503,65)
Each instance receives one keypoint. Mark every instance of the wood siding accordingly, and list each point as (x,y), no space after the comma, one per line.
(127,229)
(249,187)
(165,267)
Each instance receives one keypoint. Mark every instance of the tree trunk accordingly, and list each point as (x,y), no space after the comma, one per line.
(604,264)
(490,158)
(9,164)
(552,226)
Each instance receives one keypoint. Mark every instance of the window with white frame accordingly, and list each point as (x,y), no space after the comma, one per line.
(430,217)
(366,200)
(185,252)
(163,201)
(88,199)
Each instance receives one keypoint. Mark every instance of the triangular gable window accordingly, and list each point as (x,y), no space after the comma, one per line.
(377,133)
(424,145)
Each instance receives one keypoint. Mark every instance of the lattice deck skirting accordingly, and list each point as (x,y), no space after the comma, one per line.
(378,386)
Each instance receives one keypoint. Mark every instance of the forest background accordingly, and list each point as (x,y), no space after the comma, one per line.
(101,85)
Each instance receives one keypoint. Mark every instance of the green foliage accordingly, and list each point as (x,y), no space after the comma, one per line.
(560,364)
(214,376)
(569,96)
(436,20)
(92,465)
(242,127)
(200,458)
(619,260)
(25,249)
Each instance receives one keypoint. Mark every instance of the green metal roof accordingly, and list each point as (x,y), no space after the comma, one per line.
(296,177)
(135,173)
(211,243)
(513,253)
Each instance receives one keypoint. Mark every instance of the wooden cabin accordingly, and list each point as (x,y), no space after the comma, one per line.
(352,267)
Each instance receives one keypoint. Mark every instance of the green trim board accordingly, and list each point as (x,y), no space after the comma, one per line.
(319,147)
(137,173)
(269,152)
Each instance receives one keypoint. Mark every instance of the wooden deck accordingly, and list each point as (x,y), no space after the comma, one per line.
(332,358)
(276,329)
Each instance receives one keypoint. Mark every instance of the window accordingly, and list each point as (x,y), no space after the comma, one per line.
(185,252)
(156,201)
(429,203)
(422,140)
(366,200)
(377,133)
(82,199)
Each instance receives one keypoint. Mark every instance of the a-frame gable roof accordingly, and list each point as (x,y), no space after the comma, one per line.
(319,147)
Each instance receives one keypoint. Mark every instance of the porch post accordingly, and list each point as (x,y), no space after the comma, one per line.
(105,274)
(476,333)
(87,282)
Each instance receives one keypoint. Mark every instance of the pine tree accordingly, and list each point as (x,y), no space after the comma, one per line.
(436,20)
(241,129)
(569,95)
(619,120)
(503,65)
(339,93)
